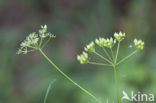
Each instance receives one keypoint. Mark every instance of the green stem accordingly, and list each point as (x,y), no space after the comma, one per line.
(45,43)
(87,92)
(107,53)
(126,57)
(103,57)
(32,47)
(117,52)
(31,50)
(94,63)
(116,82)
(112,54)
(41,41)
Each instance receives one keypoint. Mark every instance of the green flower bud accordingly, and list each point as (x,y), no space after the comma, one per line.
(90,47)
(139,44)
(100,41)
(109,42)
(119,36)
(83,58)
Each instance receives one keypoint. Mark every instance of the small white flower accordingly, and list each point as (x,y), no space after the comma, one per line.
(42,31)
(29,42)
(102,42)
(83,58)
(90,47)
(109,42)
(119,36)
(33,40)
(139,44)
(51,35)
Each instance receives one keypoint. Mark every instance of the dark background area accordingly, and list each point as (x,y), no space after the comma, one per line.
(24,78)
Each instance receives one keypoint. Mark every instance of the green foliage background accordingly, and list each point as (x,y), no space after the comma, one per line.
(24,79)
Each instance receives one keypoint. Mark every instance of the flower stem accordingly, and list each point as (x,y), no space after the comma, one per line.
(45,43)
(107,53)
(117,52)
(94,63)
(66,76)
(126,57)
(103,57)
(41,41)
(116,82)
(112,55)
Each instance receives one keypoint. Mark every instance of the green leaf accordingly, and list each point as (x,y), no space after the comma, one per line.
(48,90)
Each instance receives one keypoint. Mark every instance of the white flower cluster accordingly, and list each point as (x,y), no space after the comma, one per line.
(119,36)
(108,43)
(32,40)
(102,42)
(43,31)
(139,44)
(83,58)
(90,47)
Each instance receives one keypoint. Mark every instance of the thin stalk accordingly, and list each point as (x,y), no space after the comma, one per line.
(102,57)
(117,52)
(45,43)
(107,53)
(41,41)
(31,50)
(94,63)
(126,57)
(32,47)
(59,70)
(116,82)
(112,54)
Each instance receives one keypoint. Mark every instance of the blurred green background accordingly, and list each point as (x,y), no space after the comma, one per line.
(25,78)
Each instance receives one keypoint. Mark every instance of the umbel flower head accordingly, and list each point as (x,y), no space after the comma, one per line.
(35,41)
(119,36)
(139,44)
(90,47)
(102,42)
(83,58)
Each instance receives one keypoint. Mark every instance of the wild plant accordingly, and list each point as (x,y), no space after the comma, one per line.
(36,42)
(111,59)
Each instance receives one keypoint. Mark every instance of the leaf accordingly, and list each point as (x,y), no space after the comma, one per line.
(48,90)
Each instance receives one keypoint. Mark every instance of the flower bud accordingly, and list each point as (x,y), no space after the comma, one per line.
(119,36)
(83,58)
(109,42)
(90,47)
(102,42)
(139,44)
(99,42)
